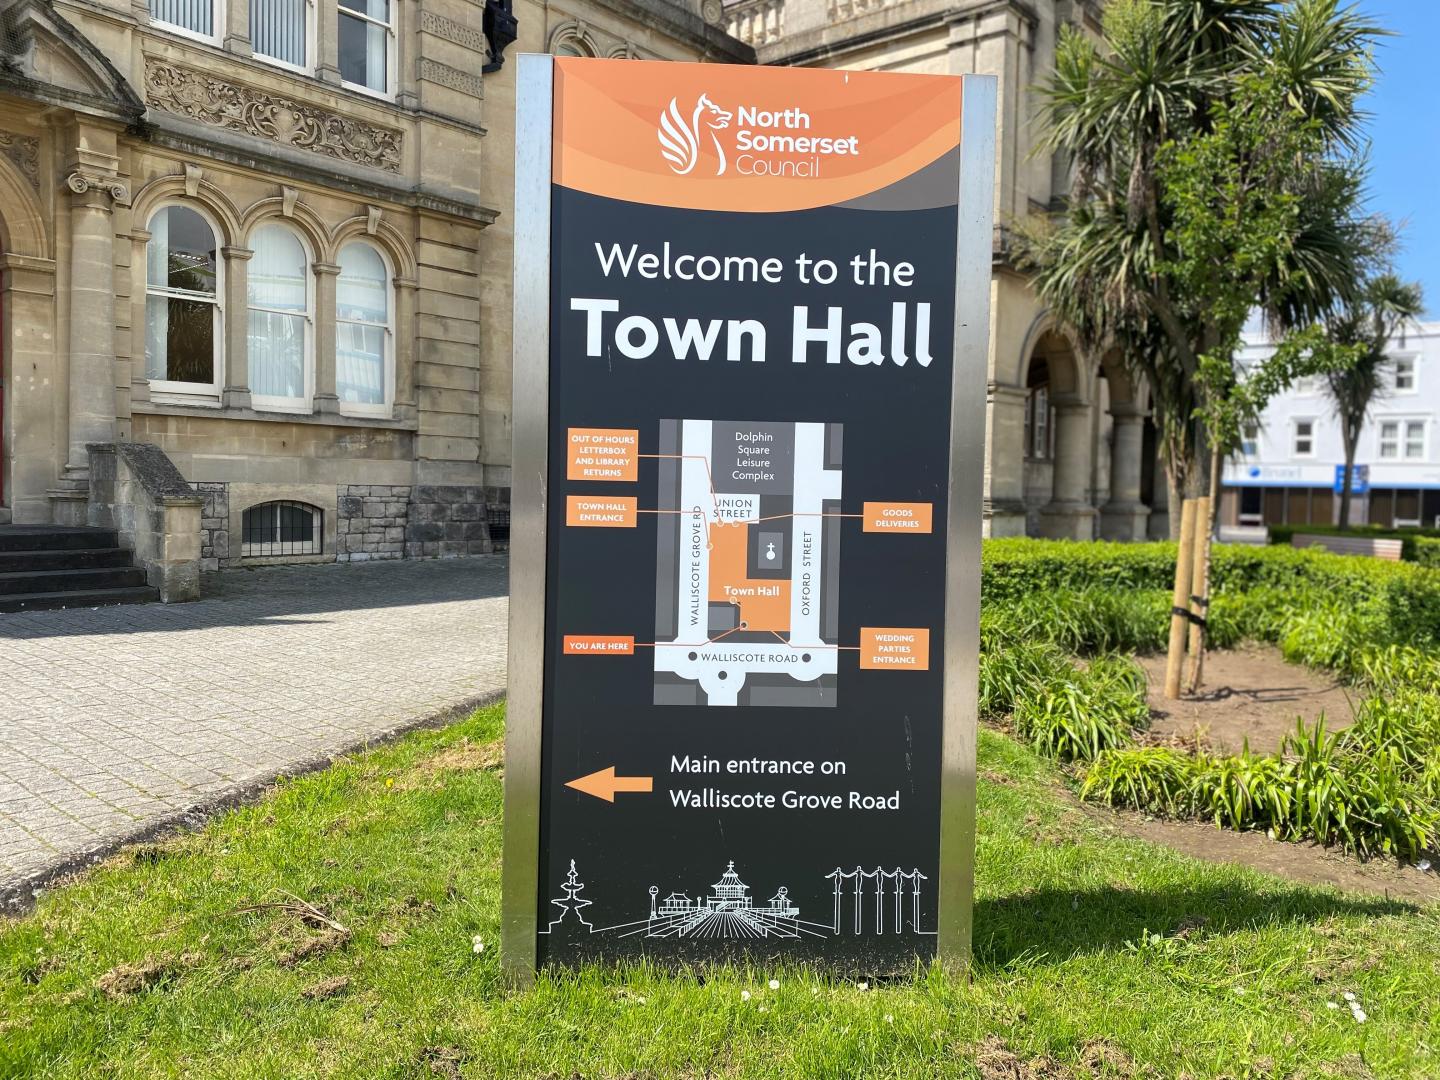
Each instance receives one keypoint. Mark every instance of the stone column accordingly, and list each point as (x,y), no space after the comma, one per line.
(236,394)
(405,290)
(327,401)
(1160,501)
(1005,461)
(34,454)
(1125,516)
(327,41)
(1069,515)
(237,27)
(91,411)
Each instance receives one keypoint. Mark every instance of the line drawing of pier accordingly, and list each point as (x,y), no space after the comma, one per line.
(875,901)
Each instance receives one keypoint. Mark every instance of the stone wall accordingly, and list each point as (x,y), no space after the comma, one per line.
(446,521)
(214,524)
(371,522)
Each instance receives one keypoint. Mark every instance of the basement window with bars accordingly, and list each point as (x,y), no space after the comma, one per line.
(281,528)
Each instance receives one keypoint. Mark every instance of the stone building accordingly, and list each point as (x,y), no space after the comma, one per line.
(1071,449)
(270,237)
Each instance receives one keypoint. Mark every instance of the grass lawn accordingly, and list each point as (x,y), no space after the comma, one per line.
(1096,955)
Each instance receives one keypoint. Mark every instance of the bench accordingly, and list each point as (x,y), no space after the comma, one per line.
(1374,546)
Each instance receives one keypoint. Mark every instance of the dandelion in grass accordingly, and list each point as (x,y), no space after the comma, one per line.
(862,986)
(477,944)
(774,984)
(744,995)
(889,1019)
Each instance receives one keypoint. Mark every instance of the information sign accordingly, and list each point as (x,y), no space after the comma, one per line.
(751,312)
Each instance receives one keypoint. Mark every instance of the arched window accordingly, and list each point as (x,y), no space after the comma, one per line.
(364,332)
(182,304)
(281,307)
(570,39)
(281,528)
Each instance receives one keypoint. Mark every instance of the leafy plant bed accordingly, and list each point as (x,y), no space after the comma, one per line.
(346,925)
(1373,788)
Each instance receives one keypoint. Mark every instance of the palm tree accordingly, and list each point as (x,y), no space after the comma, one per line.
(1379,313)
(1114,107)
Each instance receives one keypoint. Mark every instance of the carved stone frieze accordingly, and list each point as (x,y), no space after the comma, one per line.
(454,78)
(204,98)
(24,152)
(452,31)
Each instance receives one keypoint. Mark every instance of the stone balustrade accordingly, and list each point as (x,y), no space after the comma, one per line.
(137,491)
(756,22)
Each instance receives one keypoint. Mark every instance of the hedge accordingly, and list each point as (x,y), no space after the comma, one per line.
(1282,534)
(1401,600)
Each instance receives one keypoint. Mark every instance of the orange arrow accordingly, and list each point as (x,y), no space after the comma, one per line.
(604,784)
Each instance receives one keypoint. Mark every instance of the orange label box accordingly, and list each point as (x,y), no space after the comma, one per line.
(894,648)
(602,454)
(601,511)
(598,645)
(904,517)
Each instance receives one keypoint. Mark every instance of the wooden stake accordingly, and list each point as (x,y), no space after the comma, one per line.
(1184,568)
(1199,592)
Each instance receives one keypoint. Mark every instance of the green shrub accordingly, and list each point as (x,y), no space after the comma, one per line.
(1012,671)
(1427,551)
(1073,722)
(1094,619)
(1386,668)
(1075,715)
(1153,778)
(1244,790)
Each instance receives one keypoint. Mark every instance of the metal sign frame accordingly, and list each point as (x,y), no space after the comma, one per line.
(530,493)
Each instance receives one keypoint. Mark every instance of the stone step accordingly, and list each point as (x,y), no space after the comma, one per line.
(13,562)
(139,594)
(85,580)
(55,538)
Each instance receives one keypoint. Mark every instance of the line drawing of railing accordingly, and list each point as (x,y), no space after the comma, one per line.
(901,882)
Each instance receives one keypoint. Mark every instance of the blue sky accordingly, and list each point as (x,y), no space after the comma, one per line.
(1405,135)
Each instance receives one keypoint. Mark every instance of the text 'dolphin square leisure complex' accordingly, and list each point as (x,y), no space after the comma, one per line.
(751,327)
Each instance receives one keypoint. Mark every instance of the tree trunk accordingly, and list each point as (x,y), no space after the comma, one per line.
(1350,441)
(1177,503)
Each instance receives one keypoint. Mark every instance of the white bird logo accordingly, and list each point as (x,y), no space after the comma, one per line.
(680,140)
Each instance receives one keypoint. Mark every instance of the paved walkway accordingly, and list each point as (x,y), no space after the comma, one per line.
(113,720)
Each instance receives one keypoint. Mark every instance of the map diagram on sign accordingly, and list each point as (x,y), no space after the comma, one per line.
(747,563)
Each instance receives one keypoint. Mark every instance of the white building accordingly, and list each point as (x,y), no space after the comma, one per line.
(1287,473)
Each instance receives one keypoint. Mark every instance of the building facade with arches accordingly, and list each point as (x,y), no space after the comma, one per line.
(271,237)
(1070,448)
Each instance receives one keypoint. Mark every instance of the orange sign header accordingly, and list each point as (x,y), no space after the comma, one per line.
(720,137)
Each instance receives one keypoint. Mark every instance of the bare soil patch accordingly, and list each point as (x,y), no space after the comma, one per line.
(1302,861)
(1250,694)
